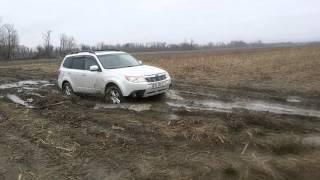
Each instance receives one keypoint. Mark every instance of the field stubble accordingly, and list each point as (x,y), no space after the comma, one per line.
(73,138)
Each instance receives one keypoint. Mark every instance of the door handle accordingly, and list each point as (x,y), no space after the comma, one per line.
(83,75)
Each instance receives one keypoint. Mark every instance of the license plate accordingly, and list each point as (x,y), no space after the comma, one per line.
(159,84)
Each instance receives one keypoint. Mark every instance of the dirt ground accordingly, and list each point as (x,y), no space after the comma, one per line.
(232,114)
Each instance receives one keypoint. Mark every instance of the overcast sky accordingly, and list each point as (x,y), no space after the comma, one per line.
(173,21)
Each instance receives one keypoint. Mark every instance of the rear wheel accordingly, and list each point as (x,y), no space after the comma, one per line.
(113,95)
(67,89)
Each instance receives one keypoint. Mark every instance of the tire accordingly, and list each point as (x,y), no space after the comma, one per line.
(113,95)
(67,89)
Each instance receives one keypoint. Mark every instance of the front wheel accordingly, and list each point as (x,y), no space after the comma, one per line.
(113,95)
(67,89)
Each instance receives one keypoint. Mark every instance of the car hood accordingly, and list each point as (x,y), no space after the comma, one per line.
(142,70)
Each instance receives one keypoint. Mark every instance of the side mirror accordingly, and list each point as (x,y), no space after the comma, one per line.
(94,68)
(140,62)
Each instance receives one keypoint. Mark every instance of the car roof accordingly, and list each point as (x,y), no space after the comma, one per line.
(108,52)
(90,53)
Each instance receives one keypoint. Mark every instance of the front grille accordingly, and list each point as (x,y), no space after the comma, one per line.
(155,78)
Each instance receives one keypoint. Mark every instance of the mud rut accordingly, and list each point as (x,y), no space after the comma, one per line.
(191,133)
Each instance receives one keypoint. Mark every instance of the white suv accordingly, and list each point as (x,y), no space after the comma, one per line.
(113,74)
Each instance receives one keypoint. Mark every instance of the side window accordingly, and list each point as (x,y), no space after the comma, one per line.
(67,63)
(78,63)
(90,61)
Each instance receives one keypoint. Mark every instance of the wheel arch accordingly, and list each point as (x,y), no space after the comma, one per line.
(110,83)
(64,82)
(67,81)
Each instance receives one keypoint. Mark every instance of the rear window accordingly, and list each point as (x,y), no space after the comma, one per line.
(78,63)
(82,63)
(67,63)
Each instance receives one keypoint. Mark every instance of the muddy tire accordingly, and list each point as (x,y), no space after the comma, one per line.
(113,95)
(67,89)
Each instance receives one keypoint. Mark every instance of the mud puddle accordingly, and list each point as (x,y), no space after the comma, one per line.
(20,92)
(132,107)
(312,140)
(251,105)
(174,100)
(25,84)
(294,99)
(24,92)
(16,99)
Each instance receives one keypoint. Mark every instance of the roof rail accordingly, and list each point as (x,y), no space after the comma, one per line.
(86,51)
(109,50)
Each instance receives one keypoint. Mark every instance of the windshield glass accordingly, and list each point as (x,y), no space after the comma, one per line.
(113,61)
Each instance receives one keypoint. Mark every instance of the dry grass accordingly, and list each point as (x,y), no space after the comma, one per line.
(279,69)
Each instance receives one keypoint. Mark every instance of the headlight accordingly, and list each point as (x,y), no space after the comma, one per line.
(136,79)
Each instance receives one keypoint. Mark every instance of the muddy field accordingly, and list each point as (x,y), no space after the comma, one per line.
(237,114)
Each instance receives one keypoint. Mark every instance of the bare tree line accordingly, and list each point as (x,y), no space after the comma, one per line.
(8,41)
(11,49)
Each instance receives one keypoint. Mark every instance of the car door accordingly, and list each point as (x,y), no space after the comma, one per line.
(77,73)
(90,79)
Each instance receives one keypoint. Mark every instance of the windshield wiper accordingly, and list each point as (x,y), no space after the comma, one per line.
(121,67)
(128,66)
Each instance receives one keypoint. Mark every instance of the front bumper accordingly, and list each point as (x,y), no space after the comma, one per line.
(149,89)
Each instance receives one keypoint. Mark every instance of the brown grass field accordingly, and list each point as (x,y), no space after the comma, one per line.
(68,138)
(285,70)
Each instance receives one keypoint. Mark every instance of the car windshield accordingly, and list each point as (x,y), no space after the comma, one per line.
(114,61)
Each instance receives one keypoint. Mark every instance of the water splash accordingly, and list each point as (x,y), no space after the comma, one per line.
(171,94)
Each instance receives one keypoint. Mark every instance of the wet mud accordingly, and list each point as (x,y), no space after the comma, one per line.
(195,133)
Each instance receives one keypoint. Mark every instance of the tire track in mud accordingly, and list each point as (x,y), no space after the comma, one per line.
(189,101)
(212,102)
